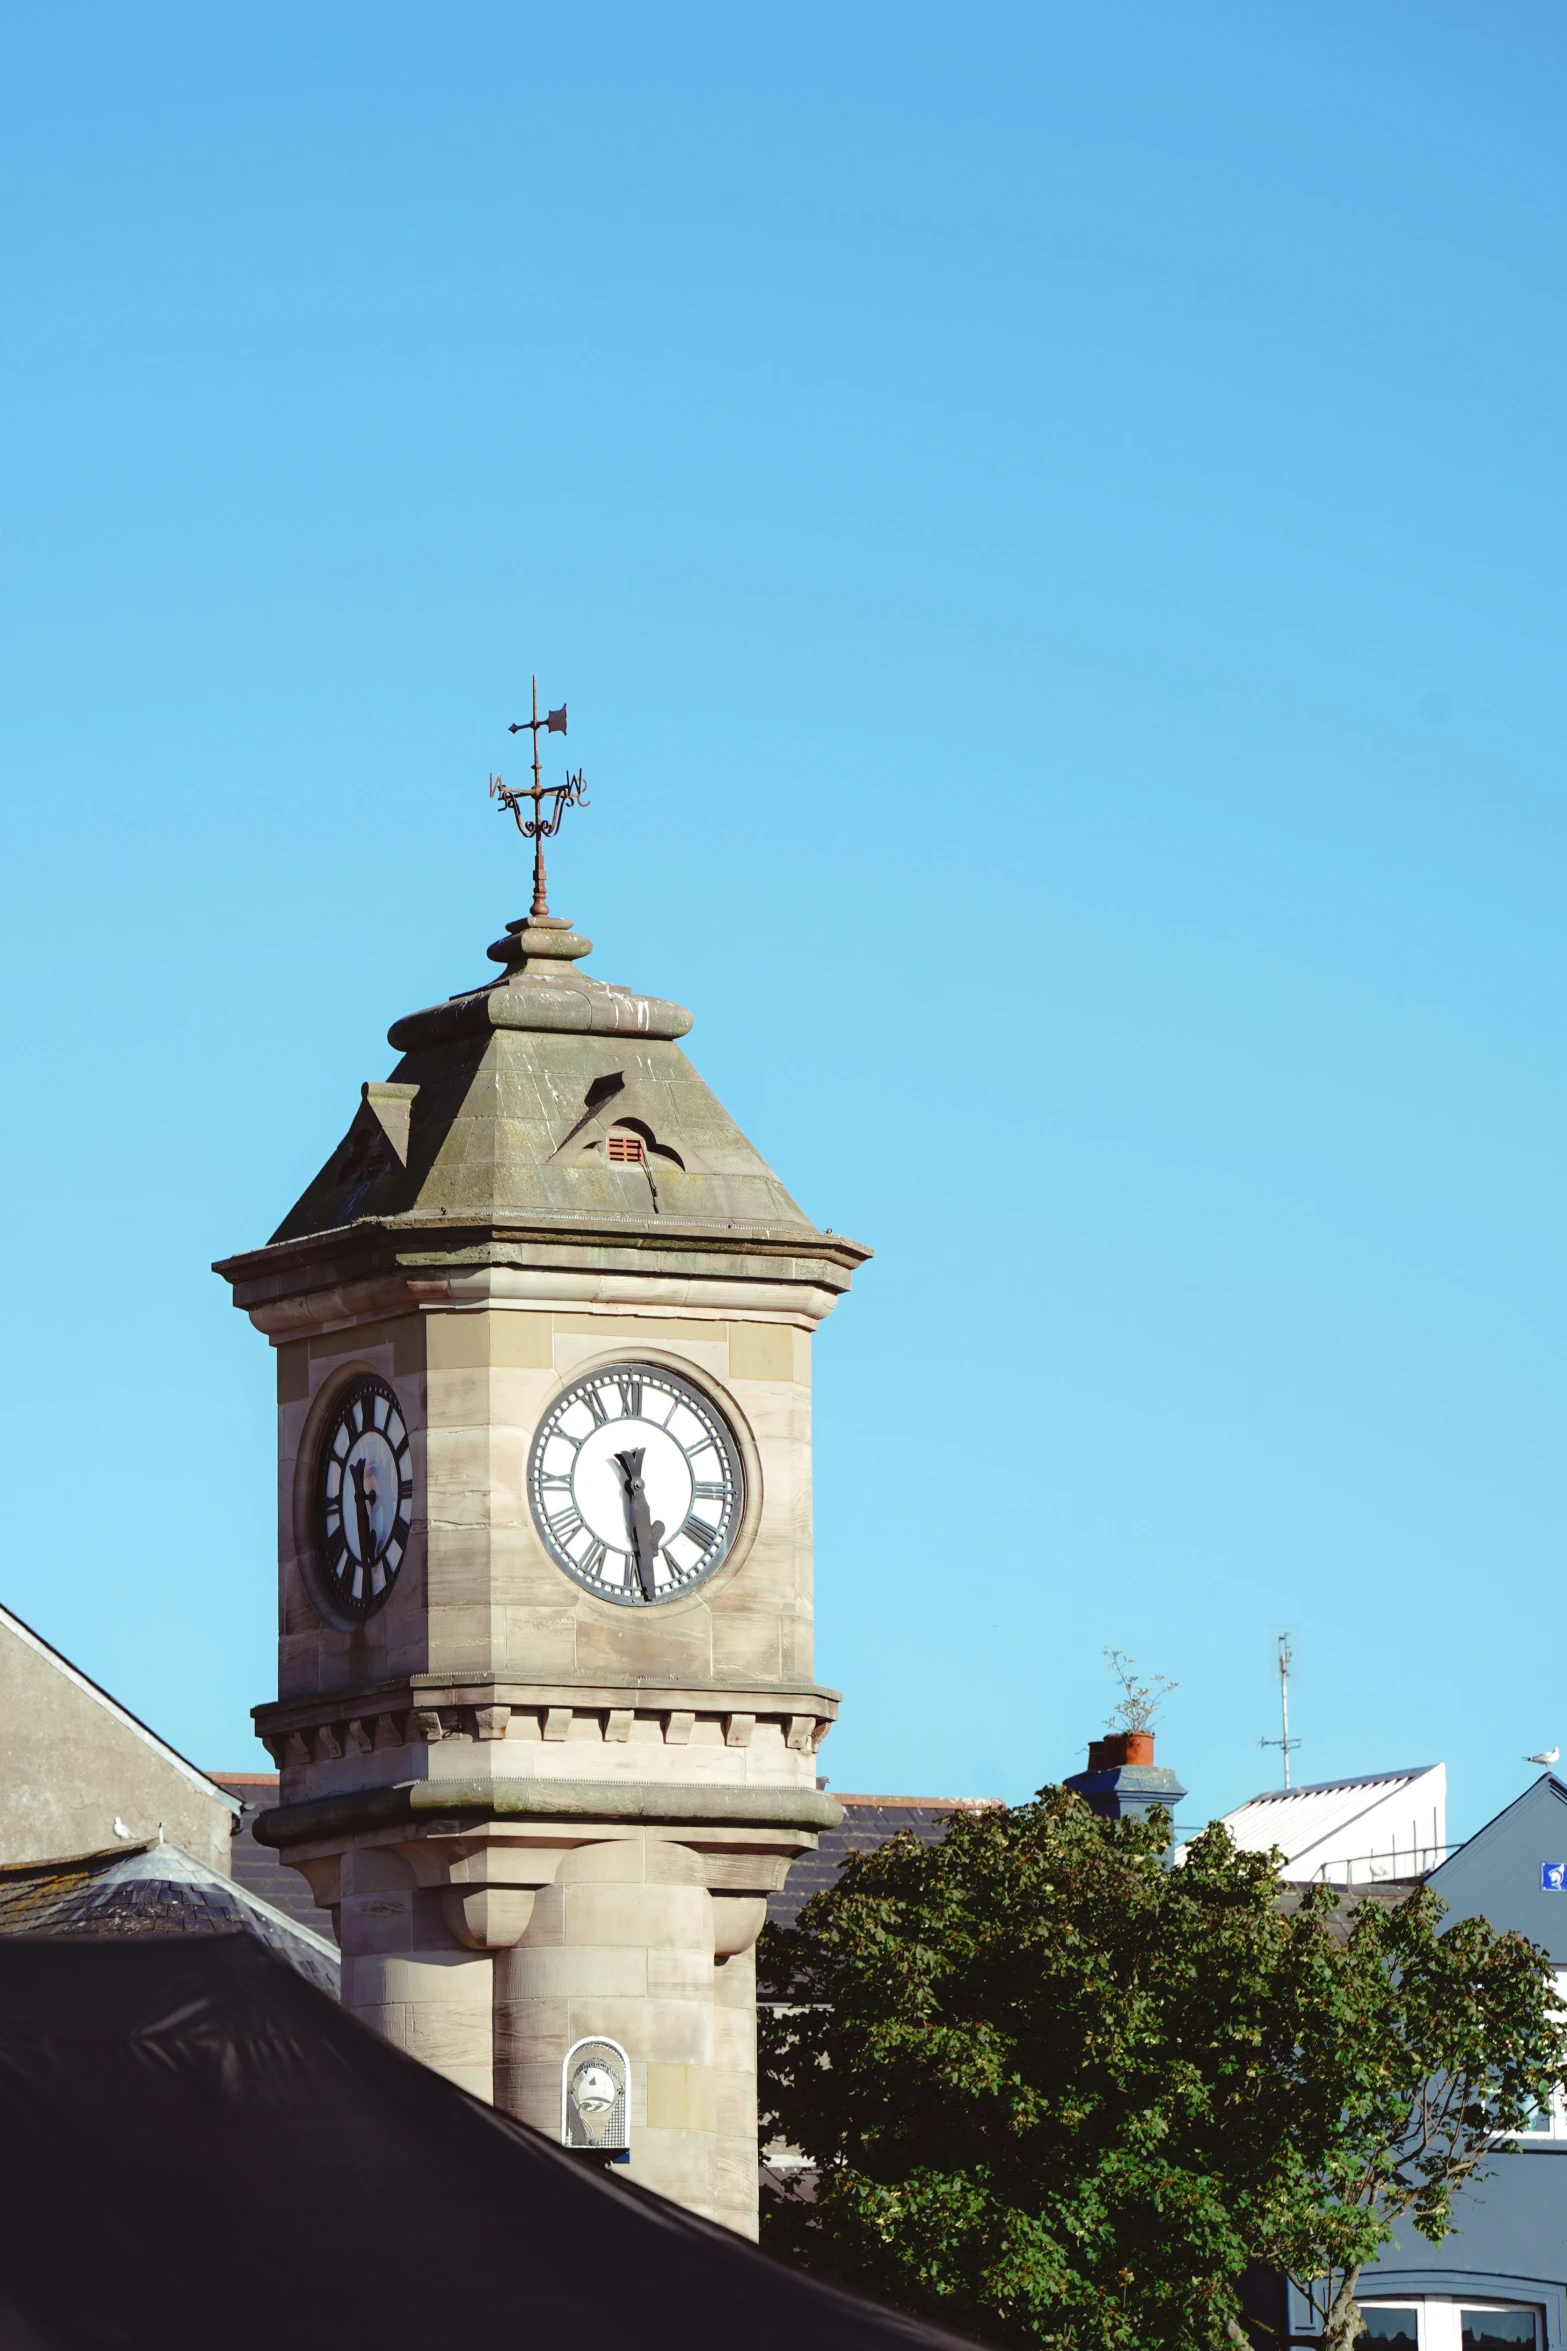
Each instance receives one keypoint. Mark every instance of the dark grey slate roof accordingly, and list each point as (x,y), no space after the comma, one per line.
(152,1890)
(867,1821)
(257,1867)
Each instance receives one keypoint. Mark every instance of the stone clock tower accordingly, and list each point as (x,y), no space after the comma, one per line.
(546,1718)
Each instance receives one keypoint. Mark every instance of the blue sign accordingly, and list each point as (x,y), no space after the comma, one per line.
(1553,1877)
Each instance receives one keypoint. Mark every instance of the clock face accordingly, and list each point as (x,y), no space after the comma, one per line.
(363,1496)
(636,1484)
(595,2090)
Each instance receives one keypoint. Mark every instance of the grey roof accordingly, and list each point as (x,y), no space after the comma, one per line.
(259,1868)
(1381,1894)
(485,1157)
(868,1821)
(502,1102)
(153,1889)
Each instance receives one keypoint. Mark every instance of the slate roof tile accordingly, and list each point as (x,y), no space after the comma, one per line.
(868,1821)
(152,1889)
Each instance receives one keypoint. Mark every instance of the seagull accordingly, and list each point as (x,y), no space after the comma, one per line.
(1547,1755)
(121,1830)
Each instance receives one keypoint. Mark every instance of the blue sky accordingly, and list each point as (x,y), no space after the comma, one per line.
(1050,521)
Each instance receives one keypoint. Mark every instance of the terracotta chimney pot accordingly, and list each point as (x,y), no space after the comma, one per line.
(1120,1747)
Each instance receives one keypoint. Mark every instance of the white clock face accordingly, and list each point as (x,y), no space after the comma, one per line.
(363,1496)
(635,1483)
(595,2090)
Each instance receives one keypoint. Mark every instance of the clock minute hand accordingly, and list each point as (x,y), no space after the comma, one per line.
(646,1532)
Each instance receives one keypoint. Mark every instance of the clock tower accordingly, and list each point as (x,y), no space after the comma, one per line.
(547,1720)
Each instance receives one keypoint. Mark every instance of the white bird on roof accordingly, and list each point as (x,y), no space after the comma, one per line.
(1547,1755)
(121,1830)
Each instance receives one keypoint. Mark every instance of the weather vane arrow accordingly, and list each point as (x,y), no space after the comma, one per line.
(539,828)
(553,722)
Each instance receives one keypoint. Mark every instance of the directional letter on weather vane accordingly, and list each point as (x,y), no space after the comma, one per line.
(539,828)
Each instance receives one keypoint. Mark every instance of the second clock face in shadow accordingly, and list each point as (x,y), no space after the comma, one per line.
(635,1484)
(363,1500)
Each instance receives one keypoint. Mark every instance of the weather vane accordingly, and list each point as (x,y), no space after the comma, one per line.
(539,828)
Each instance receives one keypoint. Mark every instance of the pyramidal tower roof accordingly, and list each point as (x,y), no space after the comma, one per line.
(544,1118)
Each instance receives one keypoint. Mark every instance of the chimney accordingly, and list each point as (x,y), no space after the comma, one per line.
(1122,1779)
(1118,1747)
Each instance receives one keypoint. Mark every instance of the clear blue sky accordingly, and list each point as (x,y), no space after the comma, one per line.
(1050,520)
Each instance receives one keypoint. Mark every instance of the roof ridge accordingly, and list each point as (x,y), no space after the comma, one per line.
(1360,1779)
(926,1803)
(203,1873)
(58,1861)
(115,1706)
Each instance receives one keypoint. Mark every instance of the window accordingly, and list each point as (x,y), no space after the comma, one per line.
(1497,2330)
(1439,2322)
(1392,2329)
(628,1150)
(1549,2121)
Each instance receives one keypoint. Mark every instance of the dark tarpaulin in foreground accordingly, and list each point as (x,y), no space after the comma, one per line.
(197,2147)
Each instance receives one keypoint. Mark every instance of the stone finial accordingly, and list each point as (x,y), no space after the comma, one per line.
(539,946)
(540,988)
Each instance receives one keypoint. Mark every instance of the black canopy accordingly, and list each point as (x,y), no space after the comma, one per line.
(198,2147)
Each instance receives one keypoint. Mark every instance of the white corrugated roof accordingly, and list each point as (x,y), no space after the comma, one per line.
(1389,1812)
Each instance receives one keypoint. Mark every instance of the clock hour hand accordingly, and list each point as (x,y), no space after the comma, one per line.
(364,1501)
(646,1532)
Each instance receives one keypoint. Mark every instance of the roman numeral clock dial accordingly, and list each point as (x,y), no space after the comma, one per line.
(635,1484)
(363,1497)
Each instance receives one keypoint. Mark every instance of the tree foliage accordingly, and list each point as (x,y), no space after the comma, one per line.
(1058,2092)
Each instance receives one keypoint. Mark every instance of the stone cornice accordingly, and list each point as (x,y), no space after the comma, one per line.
(521,1691)
(435,1260)
(668,1804)
(430,1710)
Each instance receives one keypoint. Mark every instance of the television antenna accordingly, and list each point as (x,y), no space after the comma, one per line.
(1286,1660)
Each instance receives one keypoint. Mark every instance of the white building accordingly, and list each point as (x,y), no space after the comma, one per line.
(1389,1824)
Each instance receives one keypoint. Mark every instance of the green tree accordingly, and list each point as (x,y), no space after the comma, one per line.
(1058,2092)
